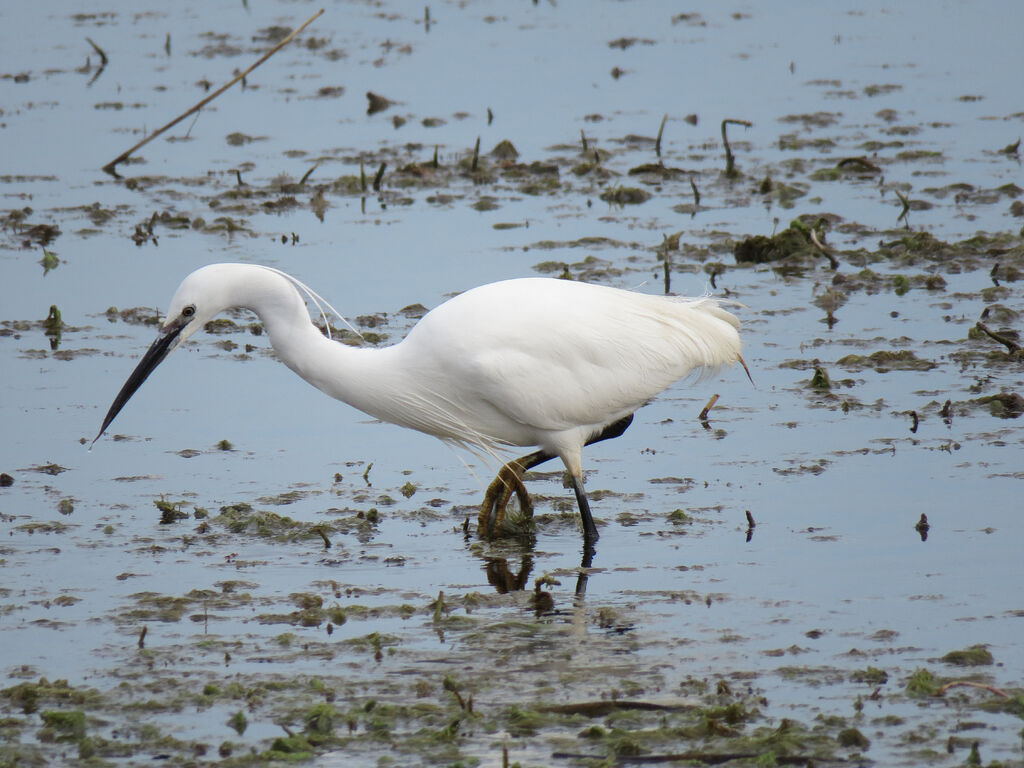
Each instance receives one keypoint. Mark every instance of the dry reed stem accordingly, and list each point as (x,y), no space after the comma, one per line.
(111,167)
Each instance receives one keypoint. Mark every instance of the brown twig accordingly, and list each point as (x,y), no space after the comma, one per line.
(943,688)
(111,167)
(1011,346)
(824,251)
(730,161)
(861,162)
(905,202)
(307,174)
(657,141)
(103,61)
(103,56)
(711,404)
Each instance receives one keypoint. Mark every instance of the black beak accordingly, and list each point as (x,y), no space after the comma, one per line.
(153,357)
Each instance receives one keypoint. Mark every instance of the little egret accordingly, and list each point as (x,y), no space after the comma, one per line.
(540,362)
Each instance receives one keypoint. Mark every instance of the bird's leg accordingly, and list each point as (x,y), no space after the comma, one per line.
(508,481)
(501,577)
(496,497)
(585,563)
(512,481)
(590,534)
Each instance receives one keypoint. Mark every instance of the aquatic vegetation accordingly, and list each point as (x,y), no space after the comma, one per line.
(879,264)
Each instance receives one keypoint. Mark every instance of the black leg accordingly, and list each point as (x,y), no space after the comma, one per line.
(590,534)
(585,563)
(509,481)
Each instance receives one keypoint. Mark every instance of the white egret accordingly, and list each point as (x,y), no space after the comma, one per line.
(539,362)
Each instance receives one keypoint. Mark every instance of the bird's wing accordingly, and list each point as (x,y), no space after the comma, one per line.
(554,355)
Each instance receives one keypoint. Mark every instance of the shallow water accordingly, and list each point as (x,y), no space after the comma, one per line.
(834,577)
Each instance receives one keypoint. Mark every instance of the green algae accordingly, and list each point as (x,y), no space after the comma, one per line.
(886,360)
(870,676)
(625,196)
(244,519)
(62,725)
(820,381)
(921,683)
(544,677)
(760,249)
(976,655)
(28,697)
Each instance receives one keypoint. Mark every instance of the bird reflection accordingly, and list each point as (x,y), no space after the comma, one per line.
(501,577)
(504,580)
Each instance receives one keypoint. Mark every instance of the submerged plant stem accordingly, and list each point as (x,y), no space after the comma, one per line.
(112,165)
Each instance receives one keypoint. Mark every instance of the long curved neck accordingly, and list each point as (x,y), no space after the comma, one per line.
(365,378)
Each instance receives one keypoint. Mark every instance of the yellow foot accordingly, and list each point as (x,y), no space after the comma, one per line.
(499,492)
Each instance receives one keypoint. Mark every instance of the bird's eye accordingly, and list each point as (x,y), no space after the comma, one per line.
(189,310)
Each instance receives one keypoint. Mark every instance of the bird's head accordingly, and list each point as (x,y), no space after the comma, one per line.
(199,298)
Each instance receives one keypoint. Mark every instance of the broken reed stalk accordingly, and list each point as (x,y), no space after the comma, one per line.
(307,174)
(943,688)
(111,167)
(730,161)
(905,209)
(824,251)
(1011,346)
(103,62)
(379,177)
(657,141)
(711,404)
(861,163)
(103,56)
(666,259)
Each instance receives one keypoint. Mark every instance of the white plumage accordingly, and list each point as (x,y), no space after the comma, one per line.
(528,362)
